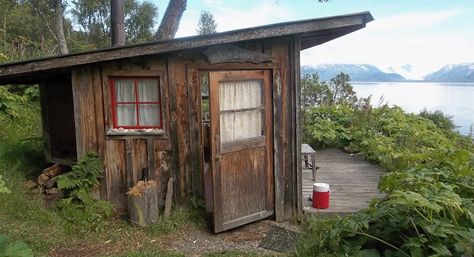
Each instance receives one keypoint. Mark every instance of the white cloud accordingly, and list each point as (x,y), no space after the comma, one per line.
(413,21)
(398,40)
(229,18)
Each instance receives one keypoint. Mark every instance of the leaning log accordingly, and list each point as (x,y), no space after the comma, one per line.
(142,200)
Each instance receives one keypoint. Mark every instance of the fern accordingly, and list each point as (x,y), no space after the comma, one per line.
(85,174)
(12,248)
(79,207)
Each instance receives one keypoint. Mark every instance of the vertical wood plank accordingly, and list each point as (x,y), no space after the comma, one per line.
(43,90)
(140,161)
(84,110)
(297,124)
(96,78)
(161,149)
(279,50)
(195,130)
(115,173)
(179,121)
(277,142)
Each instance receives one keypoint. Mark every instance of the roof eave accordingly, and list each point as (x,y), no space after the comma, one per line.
(11,72)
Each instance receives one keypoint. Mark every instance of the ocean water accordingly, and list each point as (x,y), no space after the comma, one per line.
(455,99)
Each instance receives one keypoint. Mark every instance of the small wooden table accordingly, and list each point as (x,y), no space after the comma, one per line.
(308,152)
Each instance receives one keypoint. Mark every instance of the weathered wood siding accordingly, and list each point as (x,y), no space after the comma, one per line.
(126,158)
(178,151)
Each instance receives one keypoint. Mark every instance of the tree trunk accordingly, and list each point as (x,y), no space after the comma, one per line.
(143,203)
(170,22)
(58,9)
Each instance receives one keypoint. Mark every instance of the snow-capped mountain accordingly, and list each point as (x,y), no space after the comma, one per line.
(463,72)
(357,72)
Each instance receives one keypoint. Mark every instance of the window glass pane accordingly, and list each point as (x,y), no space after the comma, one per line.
(124,90)
(126,115)
(234,95)
(226,95)
(238,95)
(148,90)
(149,115)
(227,126)
(248,94)
(247,124)
(241,125)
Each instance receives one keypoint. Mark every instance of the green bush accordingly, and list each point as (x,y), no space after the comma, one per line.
(3,187)
(440,119)
(9,248)
(429,207)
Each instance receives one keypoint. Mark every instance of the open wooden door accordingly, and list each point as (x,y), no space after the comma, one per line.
(242,147)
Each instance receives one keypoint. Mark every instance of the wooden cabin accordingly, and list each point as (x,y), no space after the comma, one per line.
(219,113)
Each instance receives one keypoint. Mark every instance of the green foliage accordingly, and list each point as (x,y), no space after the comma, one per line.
(327,126)
(9,248)
(20,125)
(338,91)
(84,175)
(79,206)
(93,17)
(139,21)
(207,24)
(314,92)
(440,119)
(428,210)
(3,187)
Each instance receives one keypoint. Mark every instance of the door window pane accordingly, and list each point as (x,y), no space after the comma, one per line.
(241,109)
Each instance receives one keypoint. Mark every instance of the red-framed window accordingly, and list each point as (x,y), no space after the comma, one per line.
(136,102)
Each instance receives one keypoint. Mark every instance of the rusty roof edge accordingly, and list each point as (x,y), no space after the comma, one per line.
(192,41)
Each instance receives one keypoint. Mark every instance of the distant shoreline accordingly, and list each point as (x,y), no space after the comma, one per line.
(412,81)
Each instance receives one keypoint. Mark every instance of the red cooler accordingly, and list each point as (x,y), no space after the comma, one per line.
(321,195)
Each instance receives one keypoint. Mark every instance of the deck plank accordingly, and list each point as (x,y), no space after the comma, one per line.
(353,182)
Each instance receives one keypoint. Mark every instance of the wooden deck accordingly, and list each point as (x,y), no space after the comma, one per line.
(353,182)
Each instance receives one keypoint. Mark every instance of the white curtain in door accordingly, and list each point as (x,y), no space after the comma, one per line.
(241,109)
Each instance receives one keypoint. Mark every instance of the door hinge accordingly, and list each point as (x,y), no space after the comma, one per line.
(217,157)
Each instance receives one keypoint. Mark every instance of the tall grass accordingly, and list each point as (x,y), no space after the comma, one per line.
(23,215)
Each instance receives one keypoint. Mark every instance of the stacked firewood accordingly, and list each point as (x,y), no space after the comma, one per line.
(47,180)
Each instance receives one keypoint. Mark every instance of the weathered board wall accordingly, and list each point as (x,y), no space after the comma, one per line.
(178,150)
(126,158)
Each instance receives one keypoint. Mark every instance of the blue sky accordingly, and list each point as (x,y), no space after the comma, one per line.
(426,34)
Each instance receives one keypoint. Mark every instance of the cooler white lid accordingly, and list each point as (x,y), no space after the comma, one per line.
(321,187)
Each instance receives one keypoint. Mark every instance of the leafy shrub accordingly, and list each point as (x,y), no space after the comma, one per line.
(9,248)
(3,187)
(440,119)
(429,207)
(338,91)
(78,206)
(327,126)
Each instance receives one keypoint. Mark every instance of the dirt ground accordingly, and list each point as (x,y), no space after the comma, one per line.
(196,241)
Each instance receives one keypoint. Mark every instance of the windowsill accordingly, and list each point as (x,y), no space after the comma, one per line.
(136,132)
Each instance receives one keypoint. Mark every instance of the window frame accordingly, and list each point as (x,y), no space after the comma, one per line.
(136,103)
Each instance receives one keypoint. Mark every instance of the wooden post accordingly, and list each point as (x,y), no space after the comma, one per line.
(169,197)
(143,203)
